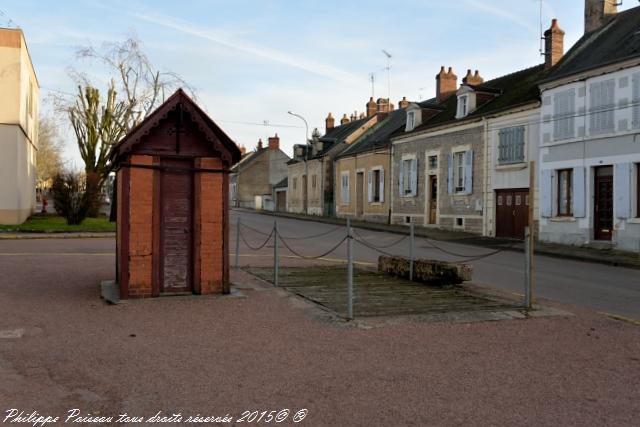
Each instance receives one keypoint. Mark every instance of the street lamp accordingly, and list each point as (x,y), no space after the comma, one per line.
(306,165)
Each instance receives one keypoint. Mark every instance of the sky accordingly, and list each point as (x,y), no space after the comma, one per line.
(252,61)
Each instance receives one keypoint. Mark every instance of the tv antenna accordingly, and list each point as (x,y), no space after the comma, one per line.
(5,18)
(372,79)
(541,50)
(388,68)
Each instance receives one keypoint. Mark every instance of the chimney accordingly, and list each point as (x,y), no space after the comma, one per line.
(361,116)
(243,150)
(344,120)
(274,142)
(404,103)
(383,105)
(260,144)
(598,12)
(371,107)
(473,79)
(553,44)
(329,123)
(446,84)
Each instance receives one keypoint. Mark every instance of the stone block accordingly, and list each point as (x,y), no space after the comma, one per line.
(431,272)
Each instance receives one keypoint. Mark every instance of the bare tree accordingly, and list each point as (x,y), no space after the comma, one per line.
(49,161)
(135,90)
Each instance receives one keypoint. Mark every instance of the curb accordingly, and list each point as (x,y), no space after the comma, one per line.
(473,239)
(58,235)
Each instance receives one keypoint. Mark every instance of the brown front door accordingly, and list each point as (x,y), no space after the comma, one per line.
(433,199)
(281,201)
(512,213)
(176,189)
(359,194)
(603,206)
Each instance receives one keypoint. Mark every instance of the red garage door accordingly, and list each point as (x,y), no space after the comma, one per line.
(512,213)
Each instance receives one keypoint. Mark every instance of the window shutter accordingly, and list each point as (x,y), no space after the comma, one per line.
(468,172)
(622,190)
(370,186)
(546,190)
(578,196)
(414,177)
(345,189)
(401,179)
(450,182)
(636,101)
(381,185)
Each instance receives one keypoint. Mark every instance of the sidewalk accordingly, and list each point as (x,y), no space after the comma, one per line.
(602,256)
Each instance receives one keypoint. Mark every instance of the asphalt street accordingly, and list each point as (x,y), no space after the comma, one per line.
(608,289)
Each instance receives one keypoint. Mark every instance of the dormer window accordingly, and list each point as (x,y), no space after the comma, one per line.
(411,120)
(463,106)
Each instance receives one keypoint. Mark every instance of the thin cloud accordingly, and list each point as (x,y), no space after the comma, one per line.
(248,48)
(501,13)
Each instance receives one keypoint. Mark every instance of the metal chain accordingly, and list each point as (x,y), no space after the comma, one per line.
(363,243)
(469,257)
(378,246)
(312,237)
(259,247)
(242,224)
(312,257)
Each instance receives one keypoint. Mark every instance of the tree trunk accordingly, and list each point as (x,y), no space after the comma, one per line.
(113,213)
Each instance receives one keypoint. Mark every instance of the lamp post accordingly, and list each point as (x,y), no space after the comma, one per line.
(306,165)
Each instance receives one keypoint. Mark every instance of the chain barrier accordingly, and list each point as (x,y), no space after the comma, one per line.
(286,245)
(259,247)
(375,249)
(469,257)
(380,246)
(255,230)
(340,227)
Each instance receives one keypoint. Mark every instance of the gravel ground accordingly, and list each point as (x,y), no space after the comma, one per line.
(269,350)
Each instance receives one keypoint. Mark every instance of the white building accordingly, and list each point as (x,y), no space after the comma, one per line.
(19,93)
(590,147)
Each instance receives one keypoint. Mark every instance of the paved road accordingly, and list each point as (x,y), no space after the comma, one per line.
(603,288)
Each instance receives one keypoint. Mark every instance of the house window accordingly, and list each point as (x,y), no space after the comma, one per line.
(463,106)
(564,192)
(636,101)
(376,185)
(433,162)
(458,171)
(601,106)
(408,177)
(295,183)
(345,188)
(411,120)
(563,114)
(313,181)
(511,145)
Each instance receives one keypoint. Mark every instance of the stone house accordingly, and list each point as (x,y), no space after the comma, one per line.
(19,91)
(590,152)
(362,169)
(253,177)
(314,196)
(439,176)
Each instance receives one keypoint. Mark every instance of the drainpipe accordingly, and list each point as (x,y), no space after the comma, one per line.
(487,166)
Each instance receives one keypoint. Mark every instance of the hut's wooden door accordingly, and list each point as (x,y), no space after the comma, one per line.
(176,189)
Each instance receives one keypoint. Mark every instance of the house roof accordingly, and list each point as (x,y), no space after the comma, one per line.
(511,90)
(379,137)
(282,184)
(616,41)
(248,159)
(222,144)
(335,137)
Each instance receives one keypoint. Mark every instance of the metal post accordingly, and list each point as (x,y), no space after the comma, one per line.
(238,242)
(527,269)
(412,251)
(532,240)
(349,271)
(276,261)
